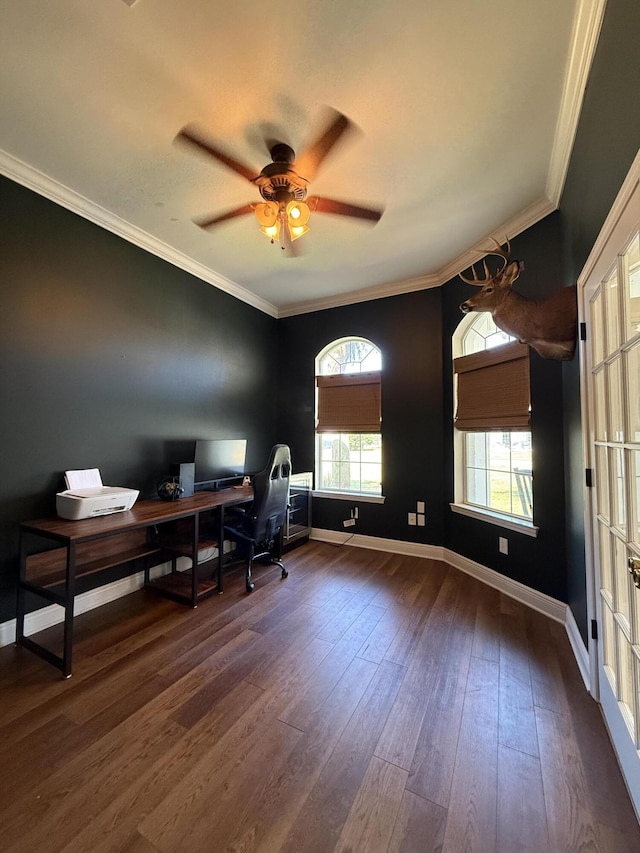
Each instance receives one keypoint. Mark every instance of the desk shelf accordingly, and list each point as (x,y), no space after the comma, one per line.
(151,532)
(50,568)
(179,585)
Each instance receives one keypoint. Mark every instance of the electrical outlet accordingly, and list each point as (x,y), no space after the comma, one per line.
(421,520)
(349,522)
(412,519)
(355,512)
(503,545)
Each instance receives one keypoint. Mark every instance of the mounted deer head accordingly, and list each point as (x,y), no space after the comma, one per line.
(547,325)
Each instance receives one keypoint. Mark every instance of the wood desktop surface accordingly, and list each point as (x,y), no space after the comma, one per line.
(141,514)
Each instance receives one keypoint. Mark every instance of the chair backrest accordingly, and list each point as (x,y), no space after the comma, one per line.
(271,495)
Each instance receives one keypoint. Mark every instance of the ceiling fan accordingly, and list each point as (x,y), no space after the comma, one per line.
(285,208)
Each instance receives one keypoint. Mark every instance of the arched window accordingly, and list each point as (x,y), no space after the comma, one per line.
(493,468)
(348,418)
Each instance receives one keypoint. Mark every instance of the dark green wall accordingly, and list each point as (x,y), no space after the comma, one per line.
(407,330)
(607,141)
(539,562)
(414,333)
(112,358)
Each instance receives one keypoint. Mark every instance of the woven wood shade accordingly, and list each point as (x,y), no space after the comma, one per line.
(349,402)
(493,389)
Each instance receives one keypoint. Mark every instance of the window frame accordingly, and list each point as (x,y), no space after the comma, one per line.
(320,435)
(459,504)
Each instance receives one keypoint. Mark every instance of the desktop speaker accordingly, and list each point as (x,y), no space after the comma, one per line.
(185,471)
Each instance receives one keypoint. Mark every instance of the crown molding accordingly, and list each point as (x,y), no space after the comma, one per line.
(586,29)
(507,231)
(584,39)
(53,190)
(364,295)
(525,219)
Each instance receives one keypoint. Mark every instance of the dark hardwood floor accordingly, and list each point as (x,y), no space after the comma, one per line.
(370,702)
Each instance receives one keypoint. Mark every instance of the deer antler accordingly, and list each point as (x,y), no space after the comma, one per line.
(501,253)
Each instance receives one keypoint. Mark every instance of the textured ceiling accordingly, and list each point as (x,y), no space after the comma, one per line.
(466,112)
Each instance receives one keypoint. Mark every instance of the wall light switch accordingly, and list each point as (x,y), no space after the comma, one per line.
(420,506)
(503,545)
(420,520)
(412,519)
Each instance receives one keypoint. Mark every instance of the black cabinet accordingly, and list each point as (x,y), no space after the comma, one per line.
(298,521)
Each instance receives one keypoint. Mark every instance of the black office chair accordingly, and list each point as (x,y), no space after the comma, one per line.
(259,530)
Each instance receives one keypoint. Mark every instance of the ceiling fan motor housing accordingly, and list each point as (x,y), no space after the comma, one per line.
(278,181)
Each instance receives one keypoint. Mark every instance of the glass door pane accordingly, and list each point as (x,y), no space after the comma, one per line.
(612,292)
(597,328)
(600,405)
(631,278)
(615,407)
(634,509)
(617,481)
(632,375)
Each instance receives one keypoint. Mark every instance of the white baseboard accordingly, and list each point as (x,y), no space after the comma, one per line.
(580,651)
(47,617)
(545,604)
(394,546)
(551,607)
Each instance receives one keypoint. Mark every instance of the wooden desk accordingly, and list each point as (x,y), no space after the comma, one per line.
(152,531)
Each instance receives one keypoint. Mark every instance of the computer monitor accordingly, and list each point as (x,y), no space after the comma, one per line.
(218,461)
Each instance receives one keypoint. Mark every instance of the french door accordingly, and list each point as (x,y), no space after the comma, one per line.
(610,303)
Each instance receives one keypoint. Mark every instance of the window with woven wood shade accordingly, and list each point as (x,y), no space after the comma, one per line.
(349,402)
(493,389)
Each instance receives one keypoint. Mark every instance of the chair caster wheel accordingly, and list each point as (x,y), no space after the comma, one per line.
(285,573)
(250,587)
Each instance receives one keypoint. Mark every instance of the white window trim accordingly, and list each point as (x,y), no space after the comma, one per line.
(518,525)
(506,521)
(362,497)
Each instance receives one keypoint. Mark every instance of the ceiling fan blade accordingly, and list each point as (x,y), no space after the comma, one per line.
(338,128)
(343,208)
(194,138)
(209,221)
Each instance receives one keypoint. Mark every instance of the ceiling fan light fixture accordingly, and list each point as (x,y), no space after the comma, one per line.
(296,231)
(267,214)
(271,231)
(298,213)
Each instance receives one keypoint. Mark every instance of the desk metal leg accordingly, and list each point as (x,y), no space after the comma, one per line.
(220,548)
(21,591)
(194,560)
(65,601)
(68,610)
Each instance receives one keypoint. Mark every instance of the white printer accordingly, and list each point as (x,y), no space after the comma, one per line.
(86,497)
